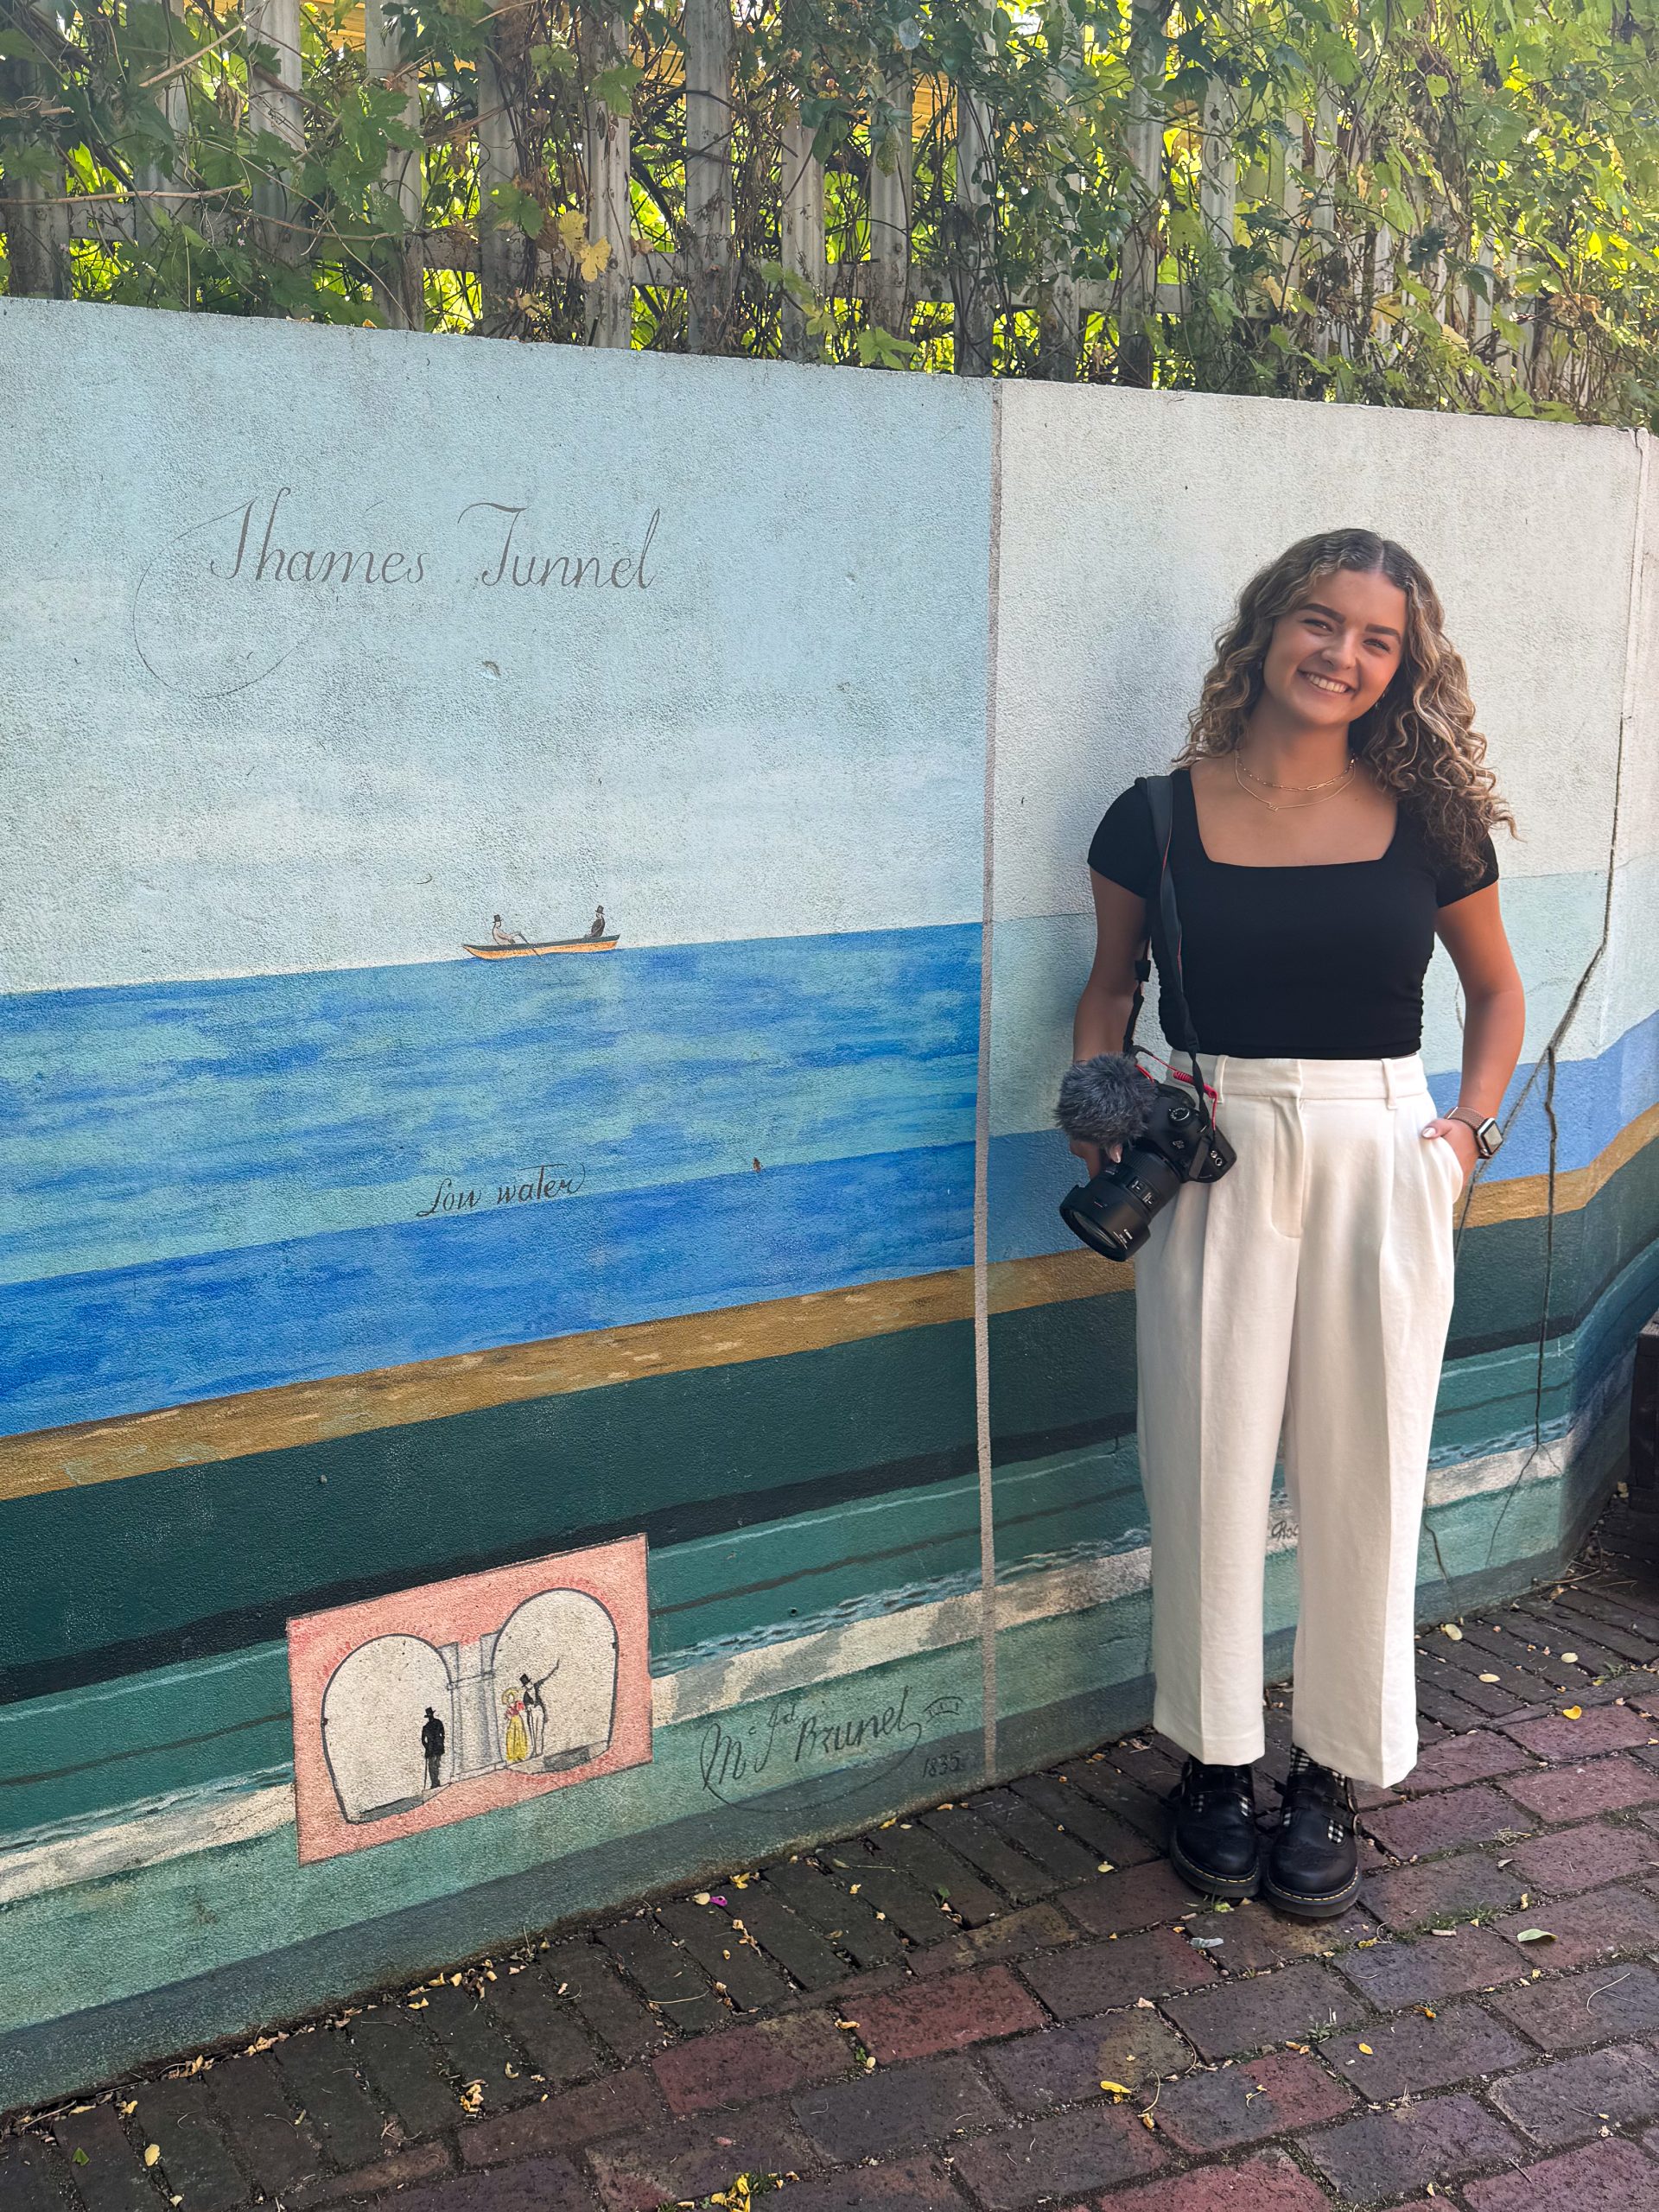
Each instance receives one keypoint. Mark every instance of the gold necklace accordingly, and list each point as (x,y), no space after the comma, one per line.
(1322,791)
(1267,783)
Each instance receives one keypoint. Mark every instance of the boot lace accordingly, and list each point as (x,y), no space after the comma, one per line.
(1308,1783)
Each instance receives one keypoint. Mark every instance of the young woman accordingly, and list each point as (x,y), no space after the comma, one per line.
(1332,816)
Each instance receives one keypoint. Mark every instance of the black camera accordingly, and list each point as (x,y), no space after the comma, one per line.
(1167,1135)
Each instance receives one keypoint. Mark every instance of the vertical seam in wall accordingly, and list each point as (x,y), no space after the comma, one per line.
(982,1129)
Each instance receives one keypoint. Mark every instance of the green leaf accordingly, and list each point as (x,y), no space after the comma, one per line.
(614,88)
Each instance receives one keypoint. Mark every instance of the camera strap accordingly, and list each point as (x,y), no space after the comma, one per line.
(1164,941)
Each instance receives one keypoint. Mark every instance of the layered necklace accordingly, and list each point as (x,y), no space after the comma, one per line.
(1331,785)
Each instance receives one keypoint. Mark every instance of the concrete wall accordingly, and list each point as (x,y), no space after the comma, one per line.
(715,1285)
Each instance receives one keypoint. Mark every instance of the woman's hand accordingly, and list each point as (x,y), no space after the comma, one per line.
(1092,1155)
(1461,1138)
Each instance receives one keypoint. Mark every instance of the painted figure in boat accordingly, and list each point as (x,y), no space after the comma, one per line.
(598,928)
(504,936)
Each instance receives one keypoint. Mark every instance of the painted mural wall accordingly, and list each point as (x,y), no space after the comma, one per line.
(497,961)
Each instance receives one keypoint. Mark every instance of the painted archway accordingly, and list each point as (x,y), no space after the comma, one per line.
(559,1647)
(374,1708)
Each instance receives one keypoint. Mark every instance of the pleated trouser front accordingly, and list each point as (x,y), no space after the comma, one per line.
(1303,1298)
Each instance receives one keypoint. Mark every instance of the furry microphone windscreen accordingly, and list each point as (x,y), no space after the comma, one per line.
(1106,1100)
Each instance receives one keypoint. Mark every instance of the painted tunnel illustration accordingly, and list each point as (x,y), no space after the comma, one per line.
(402,1717)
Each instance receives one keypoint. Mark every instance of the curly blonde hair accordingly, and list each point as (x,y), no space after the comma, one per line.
(1419,741)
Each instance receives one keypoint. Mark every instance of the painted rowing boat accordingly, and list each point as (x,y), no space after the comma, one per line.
(554,944)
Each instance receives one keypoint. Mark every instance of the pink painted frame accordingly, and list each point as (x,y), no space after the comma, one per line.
(458,1611)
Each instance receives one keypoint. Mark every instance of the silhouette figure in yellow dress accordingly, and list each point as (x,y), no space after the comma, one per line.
(517,1747)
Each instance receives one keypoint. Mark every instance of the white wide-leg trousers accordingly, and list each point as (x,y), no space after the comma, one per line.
(1307,1294)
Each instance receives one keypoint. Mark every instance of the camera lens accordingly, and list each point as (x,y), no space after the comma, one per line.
(1113,1213)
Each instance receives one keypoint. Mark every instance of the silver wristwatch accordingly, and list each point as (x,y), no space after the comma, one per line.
(1487,1135)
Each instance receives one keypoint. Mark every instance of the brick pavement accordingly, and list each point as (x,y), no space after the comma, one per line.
(1011,2000)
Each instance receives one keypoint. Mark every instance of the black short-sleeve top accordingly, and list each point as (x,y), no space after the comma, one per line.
(1321,962)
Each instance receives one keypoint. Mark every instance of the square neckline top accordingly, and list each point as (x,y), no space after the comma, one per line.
(1318,960)
(1182,778)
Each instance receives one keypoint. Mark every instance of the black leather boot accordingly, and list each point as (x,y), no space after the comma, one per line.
(1212,1841)
(1312,1868)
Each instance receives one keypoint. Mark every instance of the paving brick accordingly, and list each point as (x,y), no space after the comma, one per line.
(1561,2011)
(1435,1702)
(1224,2107)
(1293,2003)
(1601,1924)
(937,2016)
(1431,1967)
(1584,1858)
(716,1940)
(1093,1977)
(792,1941)
(1419,2051)
(318,2070)
(564,2122)
(1065,2065)
(1131,1897)
(1448,1819)
(1032,1928)
(1610,2177)
(637,2173)
(1413,2052)
(1254,1937)
(1381,2154)
(33,2176)
(915,1912)
(474,2048)
(108,2173)
(974,1839)
(1455,1760)
(1456,1887)
(897,2108)
(1036,1831)
(1269,2183)
(420,2162)
(195,2159)
(763,2061)
(668,1978)
(272,2140)
(1569,2100)
(1606,1785)
(1074,1810)
(1494,1700)
(1563,1742)
(896,2185)
(849,1922)
(402,2067)
(624,2025)
(1140,1809)
(927,1861)
(542,2023)
(1092,2148)
(541,2185)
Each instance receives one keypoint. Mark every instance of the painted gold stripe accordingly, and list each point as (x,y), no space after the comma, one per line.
(390,1397)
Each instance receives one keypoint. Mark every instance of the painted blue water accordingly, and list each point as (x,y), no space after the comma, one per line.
(90,1346)
(217,1186)
(155,1120)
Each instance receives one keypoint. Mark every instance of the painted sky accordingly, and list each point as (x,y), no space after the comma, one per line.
(704,640)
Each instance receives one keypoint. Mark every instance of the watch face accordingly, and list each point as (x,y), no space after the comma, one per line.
(1488,1137)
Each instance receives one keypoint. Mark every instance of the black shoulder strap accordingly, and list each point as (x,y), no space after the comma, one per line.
(1164,928)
